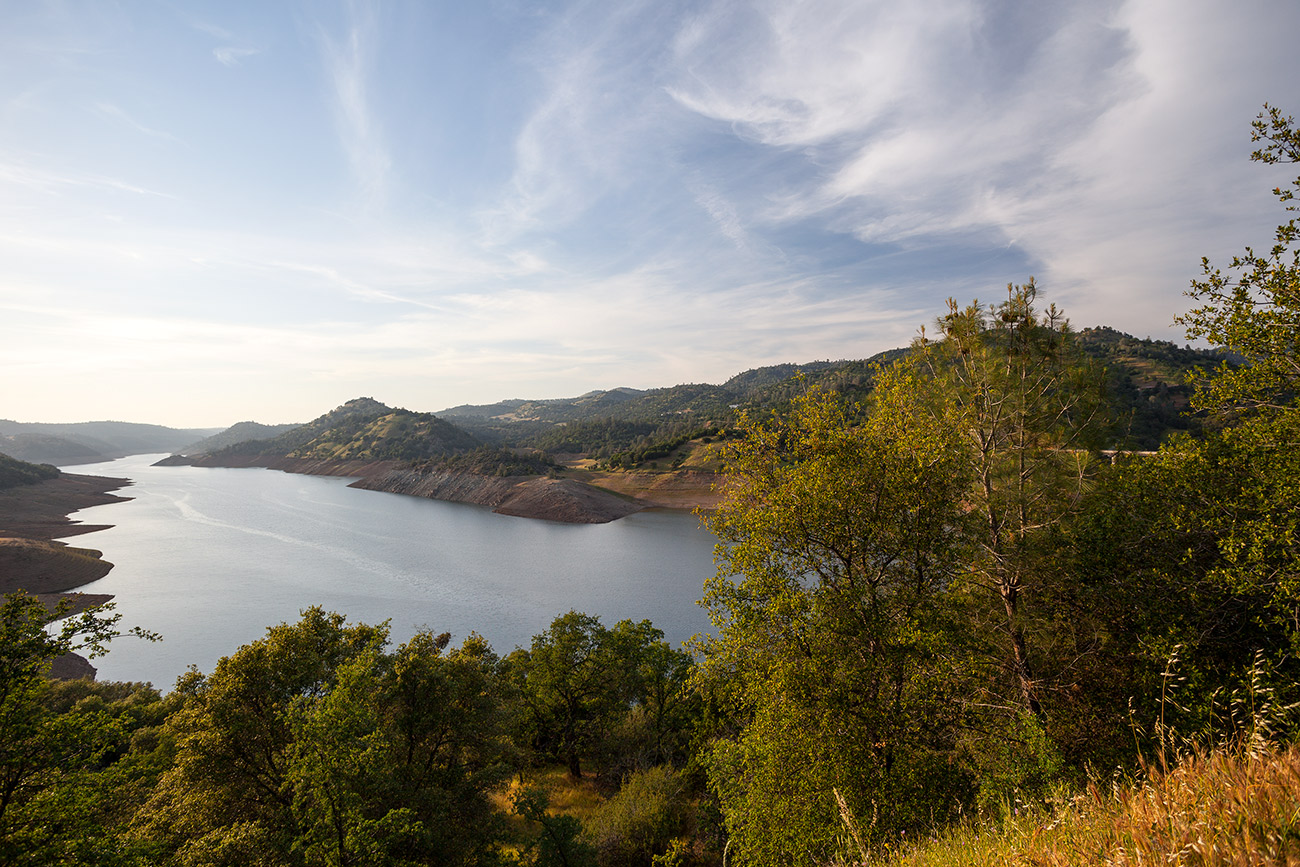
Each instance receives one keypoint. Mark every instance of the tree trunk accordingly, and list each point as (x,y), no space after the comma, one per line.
(1020,667)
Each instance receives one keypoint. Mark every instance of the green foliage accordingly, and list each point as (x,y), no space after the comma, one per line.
(491,461)
(588,691)
(834,647)
(1197,549)
(14,472)
(1254,311)
(363,429)
(1029,411)
(1147,384)
(660,446)
(559,841)
(58,763)
(598,437)
(642,820)
(316,745)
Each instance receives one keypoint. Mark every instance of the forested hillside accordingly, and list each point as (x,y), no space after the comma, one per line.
(14,472)
(363,429)
(89,442)
(624,428)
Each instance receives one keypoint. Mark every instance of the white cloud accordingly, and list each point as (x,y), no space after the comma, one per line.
(233,55)
(116,112)
(348,60)
(1095,138)
(22,174)
(598,126)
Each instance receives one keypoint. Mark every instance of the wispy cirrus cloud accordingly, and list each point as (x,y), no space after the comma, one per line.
(347,58)
(233,51)
(914,122)
(233,55)
(597,126)
(116,112)
(23,174)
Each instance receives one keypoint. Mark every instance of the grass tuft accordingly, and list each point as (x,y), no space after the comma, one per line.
(1226,807)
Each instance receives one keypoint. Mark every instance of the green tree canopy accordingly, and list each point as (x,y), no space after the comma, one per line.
(1254,309)
(579,681)
(318,745)
(835,650)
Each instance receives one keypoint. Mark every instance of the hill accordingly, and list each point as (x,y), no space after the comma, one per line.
(91,441)
(15,472)
(598,436)
(606,424)
(628,428)
(1147,382)
(46,448)
(244,431)
(363,429)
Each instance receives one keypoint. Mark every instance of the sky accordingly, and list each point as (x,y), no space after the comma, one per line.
(222,211)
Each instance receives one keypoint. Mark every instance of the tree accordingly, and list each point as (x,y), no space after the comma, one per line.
(1254,311)
(569,685)
(657,705)
(317,745)
(1192,554)
(836,651)
(51,758)
(1029,409)
(579,681)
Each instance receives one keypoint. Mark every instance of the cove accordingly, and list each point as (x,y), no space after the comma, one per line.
(210,557)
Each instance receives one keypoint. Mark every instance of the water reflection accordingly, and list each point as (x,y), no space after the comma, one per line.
(210,557)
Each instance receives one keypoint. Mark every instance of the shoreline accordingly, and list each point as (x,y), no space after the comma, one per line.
(575,496)
(33,520)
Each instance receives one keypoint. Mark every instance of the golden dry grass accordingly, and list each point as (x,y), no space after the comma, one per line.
(1224,808)
(578,798)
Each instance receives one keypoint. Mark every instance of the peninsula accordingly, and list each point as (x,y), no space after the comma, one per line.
(34,508)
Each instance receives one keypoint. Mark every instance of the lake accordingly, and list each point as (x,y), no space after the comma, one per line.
(210,557)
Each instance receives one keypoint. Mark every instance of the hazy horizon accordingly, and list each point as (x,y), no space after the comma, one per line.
(220,212)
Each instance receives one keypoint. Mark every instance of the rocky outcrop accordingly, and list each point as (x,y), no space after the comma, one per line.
(564,500)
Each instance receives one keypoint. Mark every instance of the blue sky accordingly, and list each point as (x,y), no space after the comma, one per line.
(218,211)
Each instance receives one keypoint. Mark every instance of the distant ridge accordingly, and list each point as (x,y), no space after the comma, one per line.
(91,441)
(656,447)
(242,432)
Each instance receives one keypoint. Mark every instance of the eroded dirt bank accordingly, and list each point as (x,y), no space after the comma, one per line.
(40,511)
(676,489)
(581,498)
(31,516)
(564,500)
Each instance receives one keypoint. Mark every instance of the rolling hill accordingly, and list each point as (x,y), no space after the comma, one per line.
(363,429)
(91,441)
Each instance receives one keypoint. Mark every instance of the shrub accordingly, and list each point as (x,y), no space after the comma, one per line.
(642,820)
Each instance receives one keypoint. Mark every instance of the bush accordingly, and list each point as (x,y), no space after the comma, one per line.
(642,820)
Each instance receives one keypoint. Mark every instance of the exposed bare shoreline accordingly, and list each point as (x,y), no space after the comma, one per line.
(31,517)
(577,497)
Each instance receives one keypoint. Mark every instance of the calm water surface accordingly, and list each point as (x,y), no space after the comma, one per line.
(211,557)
